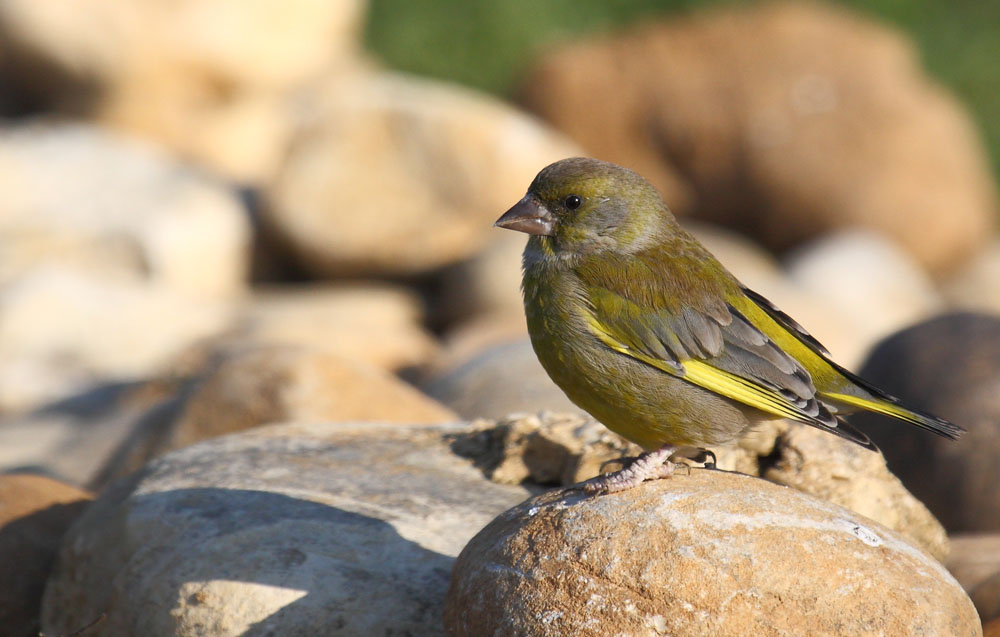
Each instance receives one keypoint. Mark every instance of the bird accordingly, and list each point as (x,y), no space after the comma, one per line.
(644,329)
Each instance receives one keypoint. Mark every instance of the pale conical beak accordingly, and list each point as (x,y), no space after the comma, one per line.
(529,216)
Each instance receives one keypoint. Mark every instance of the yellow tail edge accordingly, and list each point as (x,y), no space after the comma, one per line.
(931,423)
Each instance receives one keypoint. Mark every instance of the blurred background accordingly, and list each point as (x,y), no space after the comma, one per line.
(220,213)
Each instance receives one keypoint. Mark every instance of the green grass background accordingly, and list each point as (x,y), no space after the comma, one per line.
(487,44)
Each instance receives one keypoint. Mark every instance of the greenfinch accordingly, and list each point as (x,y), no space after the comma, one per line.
(645,330)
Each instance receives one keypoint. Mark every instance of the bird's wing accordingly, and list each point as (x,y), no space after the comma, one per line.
(708,343)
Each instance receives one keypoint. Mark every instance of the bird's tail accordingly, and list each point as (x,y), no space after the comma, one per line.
(887,405)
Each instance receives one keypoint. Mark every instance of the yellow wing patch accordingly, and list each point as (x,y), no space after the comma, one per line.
(711,378)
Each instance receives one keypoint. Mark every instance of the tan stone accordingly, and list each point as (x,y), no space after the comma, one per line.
(35,511)
(554,448)
(281,383)
(63,331)
(91,200)
(295,529)
(177,73)
(848,475)
(400,175)
(742,116)
(976,286)
(377,324)
(706,553)
(868,279)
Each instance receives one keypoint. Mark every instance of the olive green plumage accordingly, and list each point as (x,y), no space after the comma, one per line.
(644,329)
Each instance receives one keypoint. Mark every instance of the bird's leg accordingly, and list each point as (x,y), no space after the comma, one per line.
(648,466)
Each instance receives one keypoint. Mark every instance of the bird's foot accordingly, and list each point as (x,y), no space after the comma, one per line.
(651,465)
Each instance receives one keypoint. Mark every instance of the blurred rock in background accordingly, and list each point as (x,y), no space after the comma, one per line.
(783,120)
(950,366)
(210,80)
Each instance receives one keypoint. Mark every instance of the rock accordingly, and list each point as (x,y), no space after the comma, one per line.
(380,325)
(992,629)
(553,448)
(710,552)
(292,529)
(283,383)
(986,597)
(169,74)
(742,117)
(548,448)
(868,279)
(948,366)
(974,558)
(122,209)
(62,331)
(850,476)
(472,338)
(503,379)
(130,260)
(486,285)
(976,286)
(103,432)
(747,260)
(399,175)
(34,513)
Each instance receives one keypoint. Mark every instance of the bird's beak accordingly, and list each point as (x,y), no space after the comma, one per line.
(529,216)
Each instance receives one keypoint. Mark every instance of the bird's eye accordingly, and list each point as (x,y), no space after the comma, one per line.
(573,202)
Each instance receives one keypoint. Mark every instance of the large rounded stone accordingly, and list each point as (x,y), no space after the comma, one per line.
(949,366)
(378,324)
(399,175)
(706,553)
(121,209)
(502,379)
(178,72)
(868,279)
(296,529)
(282,384)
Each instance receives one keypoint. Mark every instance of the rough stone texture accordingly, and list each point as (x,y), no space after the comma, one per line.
(553,448)
(974,558)
(848,475)
(742,116)
(868,279)
(399,175)
(376,324)
(949,366)
(986,597)
(547,448)
(34,513)
(503,379)
(282,384)
(177,72)
(294,529)
(708,553)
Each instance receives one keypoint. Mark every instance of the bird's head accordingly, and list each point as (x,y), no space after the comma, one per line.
(583,205)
